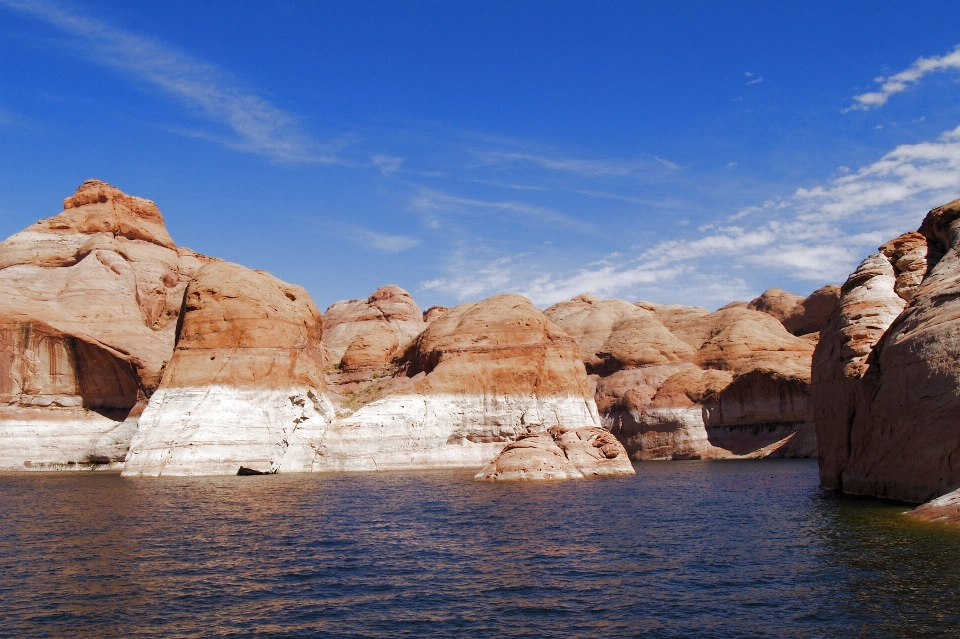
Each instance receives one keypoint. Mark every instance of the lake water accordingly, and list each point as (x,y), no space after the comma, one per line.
(683,549)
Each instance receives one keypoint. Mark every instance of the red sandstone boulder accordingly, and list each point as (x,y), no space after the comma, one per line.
(559,453)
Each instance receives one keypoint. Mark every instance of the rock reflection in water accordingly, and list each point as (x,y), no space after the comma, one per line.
(739,549)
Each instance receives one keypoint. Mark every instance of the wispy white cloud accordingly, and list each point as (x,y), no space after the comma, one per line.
(900,82)
(587,168)
(383,242)
(257,126)
(815,236)
(470,279)
(667,163)
(909,177)
(387,164)
(433,201)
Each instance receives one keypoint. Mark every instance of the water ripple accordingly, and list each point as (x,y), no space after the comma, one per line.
(683,549)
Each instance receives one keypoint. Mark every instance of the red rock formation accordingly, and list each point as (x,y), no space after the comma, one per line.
(799,315)
(732,383)
(614,334)
(64,399)
(103,274)
(885,375)
(433,313)
(776,302)
(944,510)
(105,267)
(559,453)
(245,384)
(390,309)
(808,316)
(500,346)
(477,378)
(363,337)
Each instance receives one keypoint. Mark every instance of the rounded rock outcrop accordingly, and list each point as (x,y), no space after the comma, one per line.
(479,377)
(245,384)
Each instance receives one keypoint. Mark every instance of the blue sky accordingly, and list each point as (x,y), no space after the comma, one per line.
(678,152)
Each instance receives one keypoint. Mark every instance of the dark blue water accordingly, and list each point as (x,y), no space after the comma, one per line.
(684,549)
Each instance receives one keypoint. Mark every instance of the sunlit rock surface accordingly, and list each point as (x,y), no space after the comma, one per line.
(245,385)
(678,382)
(477,378)
(559,453)
(89,301)
(886,373)
(371,330)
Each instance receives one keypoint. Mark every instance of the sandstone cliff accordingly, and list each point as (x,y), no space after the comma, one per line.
(885,373)
(679,382)
(364,338)
(475,379)
(245,385)
(89,301)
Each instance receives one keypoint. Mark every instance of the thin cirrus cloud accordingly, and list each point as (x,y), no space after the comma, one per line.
(815,236)
(384,242)
(587,168)
(900,82)
(256,125)
(432,202)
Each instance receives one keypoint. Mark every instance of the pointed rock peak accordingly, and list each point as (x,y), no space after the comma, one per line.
(98,207)
(589,298)
(388,292)
(434,313)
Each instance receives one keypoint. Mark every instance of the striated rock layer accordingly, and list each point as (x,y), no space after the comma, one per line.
(479,376)
(366,333)
(88,310)
(559,453)
(679,382)
(885,374)
(245,385)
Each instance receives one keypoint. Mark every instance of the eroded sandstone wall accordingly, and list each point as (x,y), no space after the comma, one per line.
(476,378)
(245,386)
(676,382)
(885,374)
(100,285)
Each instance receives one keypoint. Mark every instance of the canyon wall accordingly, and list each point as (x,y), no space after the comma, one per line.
(245,385)
(679,382)
(89,301)
(476,378)
(885,374)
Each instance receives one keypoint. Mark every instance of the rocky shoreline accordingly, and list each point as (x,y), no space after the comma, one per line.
(121,350)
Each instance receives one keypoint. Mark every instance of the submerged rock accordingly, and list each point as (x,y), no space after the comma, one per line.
(944,509)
